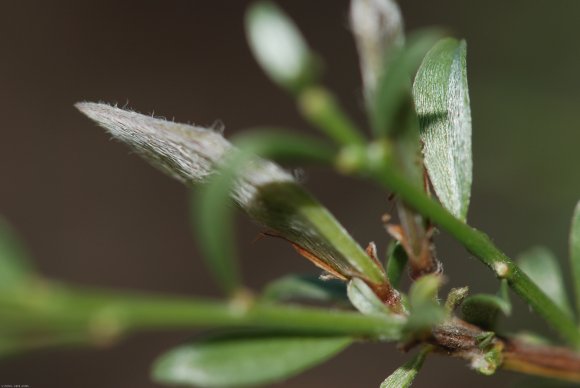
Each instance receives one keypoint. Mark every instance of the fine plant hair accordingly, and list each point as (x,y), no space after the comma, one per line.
(418,148)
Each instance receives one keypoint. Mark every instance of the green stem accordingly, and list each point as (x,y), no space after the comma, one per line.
(103,313)
(479,244)
(320,107)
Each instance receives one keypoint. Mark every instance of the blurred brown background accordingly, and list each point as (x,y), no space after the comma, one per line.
(94,214)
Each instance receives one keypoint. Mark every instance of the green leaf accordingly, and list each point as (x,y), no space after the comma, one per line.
(305,287)
(396,263)
(404,376)
(483,309)
(316,234)
(542,267)
(295,215)
(442,102)
(394,87)
(575,254)
(212,213)
(393,113)
(236,361)
(284,207)
(279,47)
(364,299)
(15,269)
(425,311)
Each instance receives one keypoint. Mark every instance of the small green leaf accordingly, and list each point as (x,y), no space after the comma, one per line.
(442,102)
(393,113)
(236,361)
(15,269)
(575,254)
(305,287)
(396,263)
(364,299)
(425,311)
(394,87)
(483,309)
(542,267)
(404,376)
(279,47)
(212,213)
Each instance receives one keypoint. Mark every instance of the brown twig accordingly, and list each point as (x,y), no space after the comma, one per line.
(457,338)
(547,361)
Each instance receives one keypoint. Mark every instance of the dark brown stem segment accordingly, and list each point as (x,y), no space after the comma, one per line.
(460,339)
(544,361)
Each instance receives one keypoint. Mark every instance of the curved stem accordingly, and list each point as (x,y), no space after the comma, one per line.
(479,244)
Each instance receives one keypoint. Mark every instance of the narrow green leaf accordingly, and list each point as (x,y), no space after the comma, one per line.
(542,267)
(442,101)
(305,287)
(279,47)
(287,209)
(393,113)
(228,361)
(394,87)
(575,254)
(298,217)
(212,213)
(364,299)
(15,269)
(404,376)
(396,263)
(425,311)
(484,309)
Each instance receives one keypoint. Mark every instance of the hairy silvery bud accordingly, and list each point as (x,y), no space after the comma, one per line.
(186,152)
(378,28)
(264,190)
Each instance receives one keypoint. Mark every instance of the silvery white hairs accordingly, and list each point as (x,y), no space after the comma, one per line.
(186,152)
(264,190)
